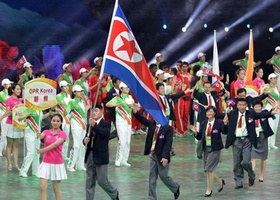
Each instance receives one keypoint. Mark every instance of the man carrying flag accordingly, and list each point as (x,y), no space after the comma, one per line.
(123,58)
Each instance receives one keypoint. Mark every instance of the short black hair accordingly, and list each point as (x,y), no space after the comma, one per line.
(241,100)
(99,106)
(39,74)
(241,90)
(174,70)
(185,63)
(158,85)
(152,65)
(257,102)
(211,108)
(114,80)
(163,65)
(206,83)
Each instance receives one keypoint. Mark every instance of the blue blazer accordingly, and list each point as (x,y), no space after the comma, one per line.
(216,138)
(100,149)
(164,138)
(250,117)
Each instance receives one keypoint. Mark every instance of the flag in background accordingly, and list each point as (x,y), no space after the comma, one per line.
(207,72)
(21,61)
(250,67)
(230,102)
(215,64)
(124,59)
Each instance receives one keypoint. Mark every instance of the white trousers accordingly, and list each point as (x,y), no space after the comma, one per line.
(32,144)
(77,153)
(273,123)
(124,133)
(66,129)
(3,140)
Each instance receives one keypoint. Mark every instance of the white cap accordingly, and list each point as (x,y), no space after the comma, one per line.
(82,70)
(272,75)
(66,65)
(247,52)
(159,71)
(167,76)
(277,49)
(27,64)
(77,88)
(6,82)
(122,85)
(63,83)
(158,55)
(96,59)
(201,54)
(199,73)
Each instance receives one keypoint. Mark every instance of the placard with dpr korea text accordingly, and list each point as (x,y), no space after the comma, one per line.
(40,94)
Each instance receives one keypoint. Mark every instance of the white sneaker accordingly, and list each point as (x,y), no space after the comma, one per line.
(24,175)
(117,164)
(141,132)
(126,164)
(274,147)
(71,169)
(82,169)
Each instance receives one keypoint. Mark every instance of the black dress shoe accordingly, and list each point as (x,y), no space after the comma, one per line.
(117,198)
(238,187)
(173,153)
(208,195)
(177,194)
(223,183)
(251,181)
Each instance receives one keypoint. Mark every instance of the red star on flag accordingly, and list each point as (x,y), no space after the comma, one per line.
(129,47)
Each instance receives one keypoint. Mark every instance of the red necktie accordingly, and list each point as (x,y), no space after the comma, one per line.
(209,129)
(257,123)
(165,102)
(240,121)
(209,100)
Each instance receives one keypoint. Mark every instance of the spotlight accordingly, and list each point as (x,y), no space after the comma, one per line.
(164,26)
(226,29)
(248,26)
(270,29)
(205,25)
(184,29)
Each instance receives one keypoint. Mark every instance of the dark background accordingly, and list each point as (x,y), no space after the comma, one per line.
(80,28)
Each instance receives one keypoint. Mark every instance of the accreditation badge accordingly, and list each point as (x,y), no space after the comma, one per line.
(184,86)
(208,141)
(239,133)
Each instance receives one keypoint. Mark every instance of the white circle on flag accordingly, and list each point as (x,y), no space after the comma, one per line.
(126,47)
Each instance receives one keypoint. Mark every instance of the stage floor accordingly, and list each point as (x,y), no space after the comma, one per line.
(132,182)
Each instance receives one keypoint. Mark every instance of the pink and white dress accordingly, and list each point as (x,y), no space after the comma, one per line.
(52,166)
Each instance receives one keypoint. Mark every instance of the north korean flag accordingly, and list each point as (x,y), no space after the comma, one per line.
(124,59)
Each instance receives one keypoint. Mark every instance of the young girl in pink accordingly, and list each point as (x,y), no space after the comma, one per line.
(258,82)
(52,166)
(13,134)
(239,83)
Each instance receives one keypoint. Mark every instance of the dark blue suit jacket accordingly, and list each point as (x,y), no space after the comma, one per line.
(202,98)
(265,126)
(250,117)
(164,138)
(216,138)
(170,99)
(100,149)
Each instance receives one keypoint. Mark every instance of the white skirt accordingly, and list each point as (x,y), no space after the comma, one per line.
(13,132)
(54,172)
